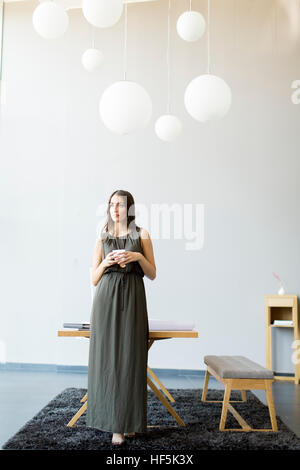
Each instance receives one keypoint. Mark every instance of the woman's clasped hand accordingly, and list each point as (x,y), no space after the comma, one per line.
(125,257)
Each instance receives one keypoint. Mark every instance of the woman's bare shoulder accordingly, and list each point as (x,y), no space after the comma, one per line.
(98,244)
(144,233)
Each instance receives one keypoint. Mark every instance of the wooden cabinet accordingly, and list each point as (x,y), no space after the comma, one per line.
(282,312)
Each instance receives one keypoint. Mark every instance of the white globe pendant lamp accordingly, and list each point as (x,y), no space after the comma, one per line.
(102,13)
(207,97)
(190,26)
(50,20)
(92,59)
(168,127)
(125,106)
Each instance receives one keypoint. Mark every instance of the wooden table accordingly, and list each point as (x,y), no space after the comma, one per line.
(153,336)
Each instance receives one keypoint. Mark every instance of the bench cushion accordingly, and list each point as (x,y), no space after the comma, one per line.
(237,367)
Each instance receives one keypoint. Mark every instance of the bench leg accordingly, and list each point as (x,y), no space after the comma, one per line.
(206,379)
(242,385)
(269,396)
(225,407)
(245,427)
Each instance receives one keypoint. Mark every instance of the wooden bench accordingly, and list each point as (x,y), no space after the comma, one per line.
(239,373)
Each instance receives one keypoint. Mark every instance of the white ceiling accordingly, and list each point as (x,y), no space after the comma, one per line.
(77,3)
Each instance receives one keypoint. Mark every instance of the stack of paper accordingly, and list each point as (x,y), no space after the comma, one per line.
(283,322)
(154,325)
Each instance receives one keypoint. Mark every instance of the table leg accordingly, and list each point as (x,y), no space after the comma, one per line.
(153,388)
(77,415)
(156,379)
(168,394)
(165,402)
(158,392)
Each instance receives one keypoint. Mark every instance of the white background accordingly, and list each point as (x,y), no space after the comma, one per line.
(59,164)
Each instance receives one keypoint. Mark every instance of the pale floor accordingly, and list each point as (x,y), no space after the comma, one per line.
(23,394)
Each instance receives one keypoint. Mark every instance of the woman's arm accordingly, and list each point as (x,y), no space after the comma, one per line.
(97,266)
(146,259)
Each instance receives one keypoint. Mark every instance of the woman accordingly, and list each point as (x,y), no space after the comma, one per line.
(117,372)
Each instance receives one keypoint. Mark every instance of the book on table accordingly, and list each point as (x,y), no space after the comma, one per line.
(77,326)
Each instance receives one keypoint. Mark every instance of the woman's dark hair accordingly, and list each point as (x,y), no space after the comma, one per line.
(109,223)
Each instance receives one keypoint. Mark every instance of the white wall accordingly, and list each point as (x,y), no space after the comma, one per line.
(59,163)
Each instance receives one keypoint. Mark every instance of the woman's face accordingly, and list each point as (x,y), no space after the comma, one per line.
(118,209)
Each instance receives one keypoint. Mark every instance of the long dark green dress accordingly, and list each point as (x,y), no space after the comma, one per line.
(118,353)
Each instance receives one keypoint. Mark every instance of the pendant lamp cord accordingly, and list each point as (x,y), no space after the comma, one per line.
(168,59)
(208,36)
(93,37)
(125,41)
(2,90)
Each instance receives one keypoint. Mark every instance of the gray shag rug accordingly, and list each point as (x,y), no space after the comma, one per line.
(48,431)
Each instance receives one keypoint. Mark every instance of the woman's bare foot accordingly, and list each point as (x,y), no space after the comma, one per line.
(129,434)
(117,439)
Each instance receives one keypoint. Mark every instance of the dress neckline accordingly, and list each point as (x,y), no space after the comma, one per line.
(120,236)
